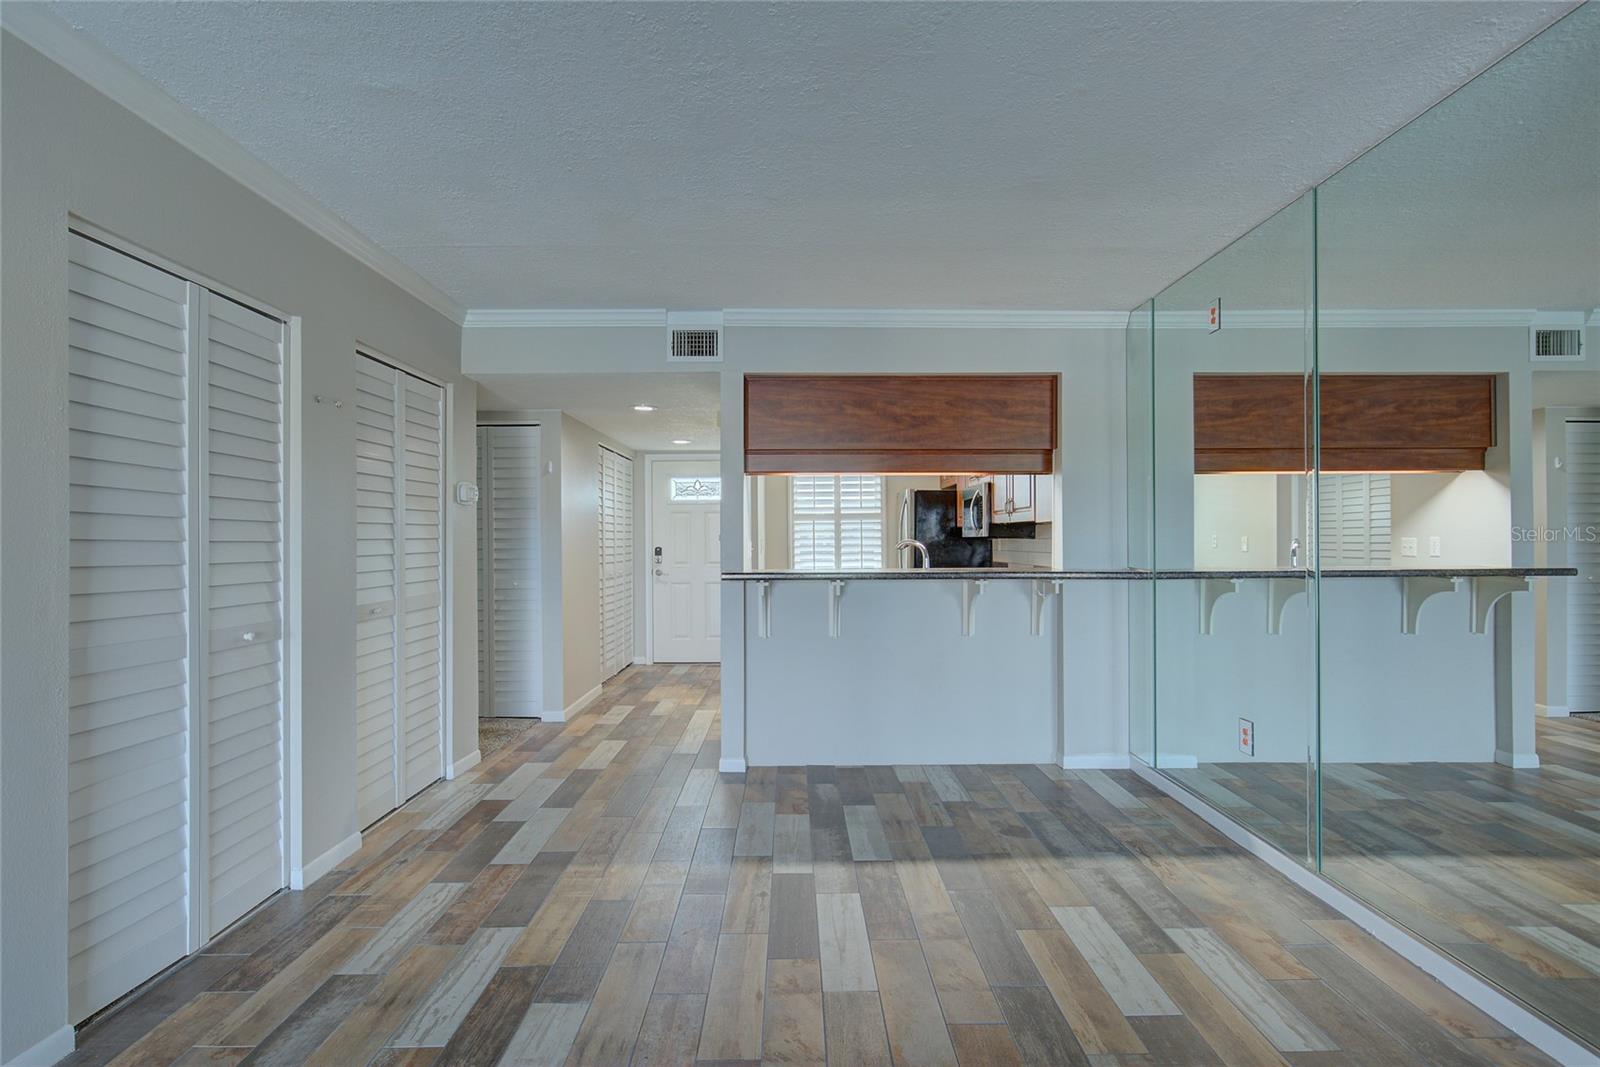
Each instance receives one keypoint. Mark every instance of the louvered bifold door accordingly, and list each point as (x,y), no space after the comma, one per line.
(129,337)
(616,561)
(421,584)
(1583,592)
(242,742)
(377,636)
(509,543)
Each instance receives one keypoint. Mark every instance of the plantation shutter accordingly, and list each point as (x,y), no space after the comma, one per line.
(616,561)
(508,591)
(377,636)
(1583,592)
(837,521)
(243,478)
(129,337)
(1355,520)
(422,678)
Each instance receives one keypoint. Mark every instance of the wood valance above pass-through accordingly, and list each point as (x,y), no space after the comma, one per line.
(899,423)
(1370,422)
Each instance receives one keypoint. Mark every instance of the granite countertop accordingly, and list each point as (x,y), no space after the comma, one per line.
(933,574)
(1385,572)
(1131,574)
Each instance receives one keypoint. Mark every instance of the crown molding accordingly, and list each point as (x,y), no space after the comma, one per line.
(105,73)
(1351,318)
(927,318)
(510,318)
(503,318)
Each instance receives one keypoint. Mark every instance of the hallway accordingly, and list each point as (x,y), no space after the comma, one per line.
(600,894)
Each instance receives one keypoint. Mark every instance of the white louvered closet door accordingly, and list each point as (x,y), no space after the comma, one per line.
(174,775)
(509,602)
(241,742)
(616,561)
(1583,592)
(421,429)
(127,719)
(377,635)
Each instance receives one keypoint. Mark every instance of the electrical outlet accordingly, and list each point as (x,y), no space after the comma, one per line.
(1247,737)
(1244,542)
(1434,548)
(1213,540)
(1408,546)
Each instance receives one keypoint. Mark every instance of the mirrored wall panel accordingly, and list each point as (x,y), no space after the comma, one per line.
(1458,270)
(1365,451)
(1235,693)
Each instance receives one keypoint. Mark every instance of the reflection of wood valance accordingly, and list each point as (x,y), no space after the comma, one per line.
(899,423)
(1370,422)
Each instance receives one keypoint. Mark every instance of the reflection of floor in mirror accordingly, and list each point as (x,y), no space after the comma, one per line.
(1499,867)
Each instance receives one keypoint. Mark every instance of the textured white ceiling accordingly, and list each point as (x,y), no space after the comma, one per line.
(1066,155)
(687,404)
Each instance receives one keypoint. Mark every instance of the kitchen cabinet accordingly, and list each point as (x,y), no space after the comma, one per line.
(1023,498)
(899,423)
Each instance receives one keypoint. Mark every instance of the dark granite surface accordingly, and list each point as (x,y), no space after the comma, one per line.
(1128,574)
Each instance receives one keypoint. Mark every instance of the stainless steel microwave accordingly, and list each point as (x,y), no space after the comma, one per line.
(977,497)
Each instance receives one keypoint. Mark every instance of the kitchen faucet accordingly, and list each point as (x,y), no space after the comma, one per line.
(912,542)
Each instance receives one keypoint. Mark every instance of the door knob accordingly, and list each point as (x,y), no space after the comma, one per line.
(660,572)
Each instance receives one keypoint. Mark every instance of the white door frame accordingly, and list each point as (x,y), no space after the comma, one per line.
(447,643)
(642,565)
(290,723)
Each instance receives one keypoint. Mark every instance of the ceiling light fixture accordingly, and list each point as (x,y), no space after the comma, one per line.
(681,441)
(644,407)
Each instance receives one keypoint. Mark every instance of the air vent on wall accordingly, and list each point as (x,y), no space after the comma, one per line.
(1555,338)
(696,336)
(699,346)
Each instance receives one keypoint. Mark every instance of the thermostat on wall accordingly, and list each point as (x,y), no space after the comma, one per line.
(466,493)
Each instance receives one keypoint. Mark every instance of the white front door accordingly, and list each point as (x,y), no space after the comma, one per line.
(685,560)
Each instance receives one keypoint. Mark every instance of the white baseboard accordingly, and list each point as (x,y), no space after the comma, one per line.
(1455,977)
(300,877)
(640,661)
(46,1052)
(576,706)
(730,765)
(1552,711)
(465,763)
(1095,761)
(1516,760)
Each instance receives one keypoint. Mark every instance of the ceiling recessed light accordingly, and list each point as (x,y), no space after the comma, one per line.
(681,441)
(644,407)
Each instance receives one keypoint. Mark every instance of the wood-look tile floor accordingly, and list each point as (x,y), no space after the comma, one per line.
(600,894)
(1498,867)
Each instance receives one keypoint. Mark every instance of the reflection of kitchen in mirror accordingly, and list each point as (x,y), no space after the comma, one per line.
(1376,491)
(1410,474)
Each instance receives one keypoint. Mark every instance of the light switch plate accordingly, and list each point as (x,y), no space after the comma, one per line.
(1247,737)
(1408,546)
(1434,547)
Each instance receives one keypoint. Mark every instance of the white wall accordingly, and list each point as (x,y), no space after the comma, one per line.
(1469,512)
(70,152)
(1235,510)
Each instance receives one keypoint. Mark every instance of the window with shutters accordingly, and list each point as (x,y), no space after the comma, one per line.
(1354,520)
(837,521)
